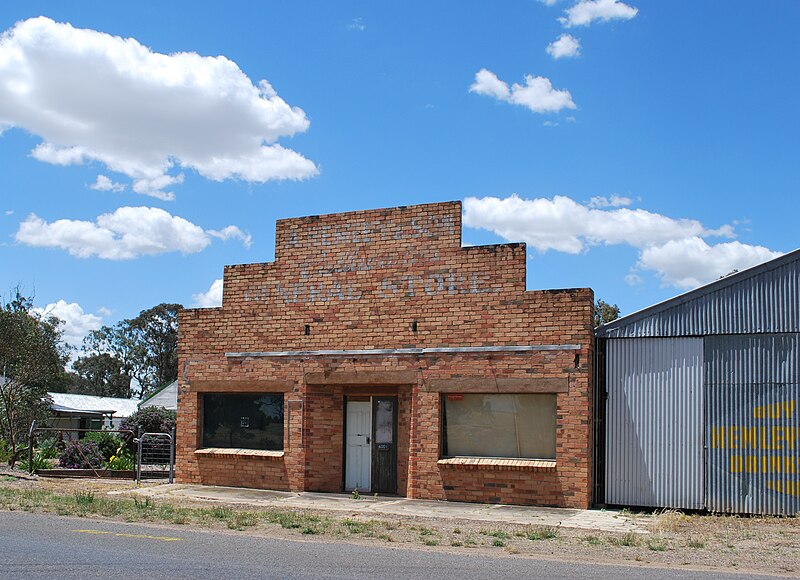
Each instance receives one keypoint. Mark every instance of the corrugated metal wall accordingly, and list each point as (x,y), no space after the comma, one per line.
(753,423)
(766,300)
(654,418)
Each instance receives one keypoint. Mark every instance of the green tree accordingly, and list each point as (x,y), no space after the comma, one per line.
(604,313)
(100,374)
(32,357)
(146,346)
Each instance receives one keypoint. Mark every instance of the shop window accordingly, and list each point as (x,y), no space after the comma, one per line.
(243,421)
(517,426)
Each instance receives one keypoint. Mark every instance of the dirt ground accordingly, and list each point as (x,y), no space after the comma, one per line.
(751,545)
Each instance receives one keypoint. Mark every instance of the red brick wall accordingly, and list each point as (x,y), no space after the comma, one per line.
(359,280)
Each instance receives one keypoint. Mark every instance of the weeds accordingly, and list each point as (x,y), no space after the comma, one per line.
(629,540)
(499,534)
(83,498)
(544,533)
(498,543)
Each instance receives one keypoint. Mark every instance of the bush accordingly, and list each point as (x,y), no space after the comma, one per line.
(5,452)
(81,455)
(39,462)
(123,462)
(151,420)
(48,448)
(108,443)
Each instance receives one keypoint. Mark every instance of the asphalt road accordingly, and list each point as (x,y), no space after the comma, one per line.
(53,547)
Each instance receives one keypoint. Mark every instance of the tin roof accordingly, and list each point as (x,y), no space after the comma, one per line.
(764,298)
(72,403)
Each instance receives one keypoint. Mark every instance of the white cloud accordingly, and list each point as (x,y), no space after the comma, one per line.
(103,183)
(587,11)
(690,262)
(600,201)
(105,311)
(675,249)
(565,225)
(77,323)
(93,97)
(232,233)
(357,24)
(127,233)
(565,46)
(9,212)
(633,279)
(212,298)
(550,124)
(537,94)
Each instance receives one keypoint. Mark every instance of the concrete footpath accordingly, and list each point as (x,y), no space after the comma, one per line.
(600,520)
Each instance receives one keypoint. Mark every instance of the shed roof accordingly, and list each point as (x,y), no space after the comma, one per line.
(764,298)
(90,404)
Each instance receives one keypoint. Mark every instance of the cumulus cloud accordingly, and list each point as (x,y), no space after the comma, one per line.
(600,201)
(675,249)
(212,298)
(690,262)
(537,94)
(565,46)
(9,212)
(232,233)
(126,233)
(103,183)
(77,323)
(565,225)
(93,97)
(587,11)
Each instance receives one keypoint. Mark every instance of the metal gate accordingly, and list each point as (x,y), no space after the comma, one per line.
(155,455)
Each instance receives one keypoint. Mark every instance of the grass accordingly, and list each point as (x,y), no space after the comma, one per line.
(594,540)
(499,534)
(498,543)
(543,533)
(629,540)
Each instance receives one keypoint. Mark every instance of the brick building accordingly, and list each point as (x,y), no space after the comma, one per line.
(377,353)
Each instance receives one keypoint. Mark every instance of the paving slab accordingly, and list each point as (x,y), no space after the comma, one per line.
(599,520)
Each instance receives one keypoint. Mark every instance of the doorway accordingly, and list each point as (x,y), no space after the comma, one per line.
(371,444)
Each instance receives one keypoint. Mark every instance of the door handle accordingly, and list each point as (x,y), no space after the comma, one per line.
(368,439)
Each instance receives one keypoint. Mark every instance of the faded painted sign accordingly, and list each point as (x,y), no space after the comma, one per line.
(753,449)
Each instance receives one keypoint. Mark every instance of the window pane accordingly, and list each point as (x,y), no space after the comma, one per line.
(243,421)
(501,425)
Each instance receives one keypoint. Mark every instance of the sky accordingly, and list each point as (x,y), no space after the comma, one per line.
(640,148)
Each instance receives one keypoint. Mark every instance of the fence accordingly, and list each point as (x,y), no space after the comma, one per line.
(52,451)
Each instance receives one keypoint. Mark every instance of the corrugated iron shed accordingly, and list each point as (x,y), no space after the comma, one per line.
(764,298)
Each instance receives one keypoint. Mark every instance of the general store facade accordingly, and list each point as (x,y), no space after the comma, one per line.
(376,353)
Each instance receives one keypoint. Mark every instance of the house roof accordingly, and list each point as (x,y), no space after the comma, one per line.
(162,388)
(90,404)
(764,298)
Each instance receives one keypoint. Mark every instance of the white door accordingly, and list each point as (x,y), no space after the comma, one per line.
(358,458)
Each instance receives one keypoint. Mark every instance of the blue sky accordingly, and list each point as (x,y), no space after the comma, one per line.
(639,148)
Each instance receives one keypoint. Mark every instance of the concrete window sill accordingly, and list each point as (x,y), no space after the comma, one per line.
(225,452)
(495,463)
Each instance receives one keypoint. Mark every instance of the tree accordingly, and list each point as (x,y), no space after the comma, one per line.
(146,346)
(100,374)
(32,357)
(604,313)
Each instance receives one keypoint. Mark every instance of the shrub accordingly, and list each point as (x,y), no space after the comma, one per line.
(81,455)
(48,448)
(108,443)
(39,462)
(151,420)
(5,452)
(123,462)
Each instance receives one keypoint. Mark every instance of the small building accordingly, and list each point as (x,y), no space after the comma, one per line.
(73,411)
(166,396)
(376,353)
(697,397)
